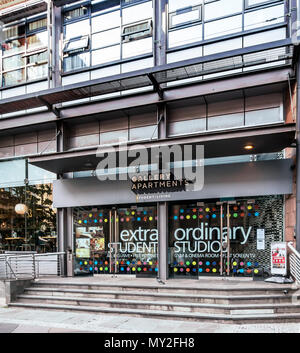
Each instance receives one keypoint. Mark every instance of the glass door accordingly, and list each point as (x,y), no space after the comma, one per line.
(116,241)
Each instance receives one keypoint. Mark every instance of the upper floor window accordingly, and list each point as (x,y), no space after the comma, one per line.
(108,31)
(185,16)
(192,21)
(25,51)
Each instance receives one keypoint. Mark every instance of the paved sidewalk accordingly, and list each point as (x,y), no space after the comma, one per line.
(15,320)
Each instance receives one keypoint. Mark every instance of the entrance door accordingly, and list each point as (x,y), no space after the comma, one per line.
(225,236)
(219,237)
(116,241)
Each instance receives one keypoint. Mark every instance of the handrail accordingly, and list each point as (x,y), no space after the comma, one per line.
(291,247)
(294,262)
(31,265)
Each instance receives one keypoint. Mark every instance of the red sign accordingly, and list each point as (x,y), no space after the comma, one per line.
(278,258)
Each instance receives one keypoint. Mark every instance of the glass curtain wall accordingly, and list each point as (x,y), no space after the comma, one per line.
(194,21)
(101,32)
(24,51)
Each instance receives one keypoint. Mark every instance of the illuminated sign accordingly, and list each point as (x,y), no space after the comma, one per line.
(8,3)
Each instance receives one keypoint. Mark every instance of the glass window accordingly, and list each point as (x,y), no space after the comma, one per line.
(75,13)
(185,36)
(140,47)
(76,45)
(178,4)
(13,46)
(77,29)
(253,3)
(13,77)
(74,62)
(196,236)
(30,36)
(223,27)
(106,55)
(122,241)
(13,62)
(137,13)
(137,31)
(39,40)
(185,16)
(35,231)
(37,58)
(106,21)
(37,71)
(222,8)
(264,17)
(106,38)
(36,25)
(14,31)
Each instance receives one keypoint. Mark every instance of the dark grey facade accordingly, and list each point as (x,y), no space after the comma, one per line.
(221,74)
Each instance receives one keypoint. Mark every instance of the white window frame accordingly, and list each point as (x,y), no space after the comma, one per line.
(185,10)
(139,34)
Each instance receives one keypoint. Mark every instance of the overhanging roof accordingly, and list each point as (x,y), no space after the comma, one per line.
(218,144)
(273,53)
(59,3)
(24,9)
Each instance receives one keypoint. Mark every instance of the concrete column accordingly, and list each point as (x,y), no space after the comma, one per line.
(56,47)
(69,242)
(65,239)
(61,237)
(162,225)
(160,30)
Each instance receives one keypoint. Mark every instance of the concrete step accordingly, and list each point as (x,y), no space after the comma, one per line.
(175,315)
(170,297)
(252,309)
(234,289)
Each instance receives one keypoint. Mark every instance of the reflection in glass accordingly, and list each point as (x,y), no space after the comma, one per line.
(38,71)
(78,61)
(14,31)
(40,229)
(14,46)
(13,62)
(122,241)
(39,40)
(13,77)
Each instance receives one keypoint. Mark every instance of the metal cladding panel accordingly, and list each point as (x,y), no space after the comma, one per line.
(274,177)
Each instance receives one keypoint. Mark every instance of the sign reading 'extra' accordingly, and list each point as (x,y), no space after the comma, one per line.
(7,3)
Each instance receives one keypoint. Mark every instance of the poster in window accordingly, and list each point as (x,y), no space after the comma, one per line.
(279,259)
(83,247)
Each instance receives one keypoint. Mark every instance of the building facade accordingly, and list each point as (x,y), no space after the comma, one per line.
(93,93)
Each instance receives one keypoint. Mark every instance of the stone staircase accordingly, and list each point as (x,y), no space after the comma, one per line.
(251,302)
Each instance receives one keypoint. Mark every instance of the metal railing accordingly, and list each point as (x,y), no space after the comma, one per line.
(30,266)
(294,262)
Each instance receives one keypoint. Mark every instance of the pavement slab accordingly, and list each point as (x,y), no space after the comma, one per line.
(42,321)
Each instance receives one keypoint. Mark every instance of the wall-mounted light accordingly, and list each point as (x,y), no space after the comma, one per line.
(21,209)
(249,147)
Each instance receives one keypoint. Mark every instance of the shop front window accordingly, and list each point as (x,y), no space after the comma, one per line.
(33,231)
(27,218)
(230,237)
(119,241)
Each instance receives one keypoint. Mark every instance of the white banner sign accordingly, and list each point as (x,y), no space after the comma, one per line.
(279,259)
(260,239)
